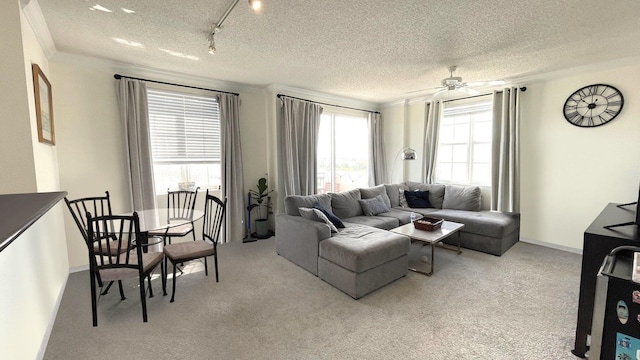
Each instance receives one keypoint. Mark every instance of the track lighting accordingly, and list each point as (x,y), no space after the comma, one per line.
(256,5)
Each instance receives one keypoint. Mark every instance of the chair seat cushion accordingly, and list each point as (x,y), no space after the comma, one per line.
(188,250)
(149,261)
(112,249)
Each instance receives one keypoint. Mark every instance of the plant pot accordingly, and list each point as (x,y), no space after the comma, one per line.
(262,229)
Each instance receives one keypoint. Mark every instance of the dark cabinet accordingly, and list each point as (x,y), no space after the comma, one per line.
(598,242)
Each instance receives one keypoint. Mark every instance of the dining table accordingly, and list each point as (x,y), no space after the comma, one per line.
(160,218)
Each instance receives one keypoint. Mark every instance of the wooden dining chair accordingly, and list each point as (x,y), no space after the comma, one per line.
(120,234)
(180,206)
(214,211)
(98,206)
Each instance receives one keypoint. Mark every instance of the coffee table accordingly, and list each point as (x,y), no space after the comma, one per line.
(432,238)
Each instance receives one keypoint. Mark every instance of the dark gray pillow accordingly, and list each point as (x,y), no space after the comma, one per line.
(462,198)
(374,206)
(436,192)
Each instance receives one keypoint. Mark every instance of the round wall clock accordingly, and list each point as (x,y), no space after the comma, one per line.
(593,105)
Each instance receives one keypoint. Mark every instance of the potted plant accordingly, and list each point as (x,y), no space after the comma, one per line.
(260,199)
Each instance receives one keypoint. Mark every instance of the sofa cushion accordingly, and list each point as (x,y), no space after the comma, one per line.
(293,202)
(418,199)
(345,204)
(359,248)
(403,216)
(436,192)
(494,224)
(331,216)
(317,215)
(462,198)
(374,206)
(379,190)
(378,221)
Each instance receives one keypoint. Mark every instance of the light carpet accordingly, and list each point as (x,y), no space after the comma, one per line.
(522,305)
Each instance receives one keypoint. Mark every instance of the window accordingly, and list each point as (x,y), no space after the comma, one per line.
(343,153)
(185,139)
(464,144)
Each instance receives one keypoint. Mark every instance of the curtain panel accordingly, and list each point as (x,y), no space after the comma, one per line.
(299,143)
(132,101)
(232,186)
(505,158)
(433,111)
(377,164)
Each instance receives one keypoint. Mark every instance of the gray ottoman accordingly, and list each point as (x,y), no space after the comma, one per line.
(360,259)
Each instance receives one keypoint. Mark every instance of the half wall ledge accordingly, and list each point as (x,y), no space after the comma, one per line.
(19,211)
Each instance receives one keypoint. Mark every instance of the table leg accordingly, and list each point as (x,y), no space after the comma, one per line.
(433,250)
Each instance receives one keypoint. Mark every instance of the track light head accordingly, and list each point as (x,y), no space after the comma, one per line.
(256,5)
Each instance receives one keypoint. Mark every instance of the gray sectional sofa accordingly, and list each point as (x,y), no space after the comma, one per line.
(363,256)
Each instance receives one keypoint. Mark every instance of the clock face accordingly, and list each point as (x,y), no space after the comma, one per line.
(593,105)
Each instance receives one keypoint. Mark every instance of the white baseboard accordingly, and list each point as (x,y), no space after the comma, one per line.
(552,245)
(52,320)
(78,269)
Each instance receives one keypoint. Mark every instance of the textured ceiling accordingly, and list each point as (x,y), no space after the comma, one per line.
(371,50)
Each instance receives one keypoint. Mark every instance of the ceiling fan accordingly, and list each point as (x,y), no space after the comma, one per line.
(454,83)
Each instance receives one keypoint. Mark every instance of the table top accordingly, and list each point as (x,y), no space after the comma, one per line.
(448,228)
(156,219)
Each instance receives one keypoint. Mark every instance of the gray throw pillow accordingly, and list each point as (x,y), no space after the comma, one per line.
(379,190)
(293,202)
(462,198)
(374,206)
(345,204)
(317,215)
(403,200)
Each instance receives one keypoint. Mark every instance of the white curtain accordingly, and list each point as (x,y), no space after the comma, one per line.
(377,164)
(505,173)
(299,143)
(132,100)
(433,111)
(232,176)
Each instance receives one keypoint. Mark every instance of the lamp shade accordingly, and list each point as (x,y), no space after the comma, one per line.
(408,154)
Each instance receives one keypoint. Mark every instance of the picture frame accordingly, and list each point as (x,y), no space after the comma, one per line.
(44,106)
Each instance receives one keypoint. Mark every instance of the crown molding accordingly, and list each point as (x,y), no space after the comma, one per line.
(35,18)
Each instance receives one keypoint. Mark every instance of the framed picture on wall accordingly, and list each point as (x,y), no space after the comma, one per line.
(44,106)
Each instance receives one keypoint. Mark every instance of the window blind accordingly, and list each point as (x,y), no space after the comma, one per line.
(184,128)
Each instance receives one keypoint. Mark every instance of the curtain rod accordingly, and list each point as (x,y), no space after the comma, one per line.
(118,76)
(523,89)
(340,106)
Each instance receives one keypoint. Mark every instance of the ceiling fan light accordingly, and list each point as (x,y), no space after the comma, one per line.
(256,5)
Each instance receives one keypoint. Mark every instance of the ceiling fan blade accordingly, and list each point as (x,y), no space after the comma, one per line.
(485,83)
(439,93)
(468,91)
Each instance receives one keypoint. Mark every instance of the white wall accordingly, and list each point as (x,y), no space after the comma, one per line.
(569,174)
(17,169)
(90,141)
(91,144)
(34,268)
(31,284)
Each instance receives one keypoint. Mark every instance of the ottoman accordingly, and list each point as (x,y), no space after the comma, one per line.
(360,259)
